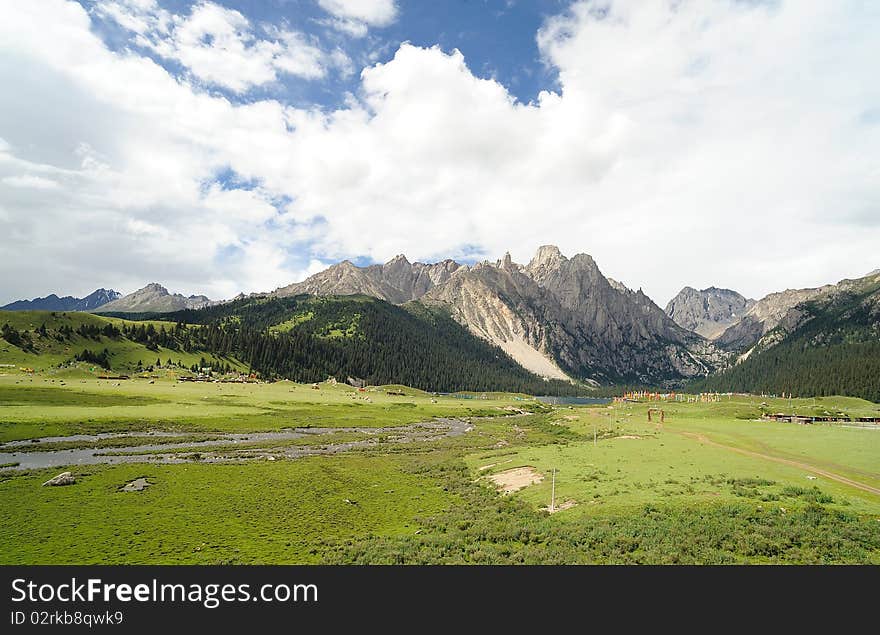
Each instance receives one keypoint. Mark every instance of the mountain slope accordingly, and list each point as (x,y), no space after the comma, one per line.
(94,300)
(829,344)
(708,312)
(307,338)
(154,298)
(763,317)
(503,306)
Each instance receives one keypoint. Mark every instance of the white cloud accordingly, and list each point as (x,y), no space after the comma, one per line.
(354,28)
(29,181)
(219,45)
(354,17)
(372,12)
(717,143)
(138,16)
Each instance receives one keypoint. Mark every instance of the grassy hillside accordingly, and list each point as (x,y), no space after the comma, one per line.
(52,341)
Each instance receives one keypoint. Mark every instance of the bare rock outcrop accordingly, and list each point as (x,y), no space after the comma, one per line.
(65,478)
(708,312)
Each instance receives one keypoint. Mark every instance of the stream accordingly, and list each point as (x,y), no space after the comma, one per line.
(33,460)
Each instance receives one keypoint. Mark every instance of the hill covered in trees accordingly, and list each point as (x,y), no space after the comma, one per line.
(300,338)
(827,346)
(306,338)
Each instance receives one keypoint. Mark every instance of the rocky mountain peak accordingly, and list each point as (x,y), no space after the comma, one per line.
(506,262)
(397,281)
(708,312)
(399,259)
(619,286)
(154,287)
(556,316)
(546,256)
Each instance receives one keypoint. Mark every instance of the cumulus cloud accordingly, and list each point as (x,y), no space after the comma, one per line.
(697,143)
(355,17)
(220,45)
(372,12)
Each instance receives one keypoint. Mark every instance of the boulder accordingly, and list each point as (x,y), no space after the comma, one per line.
(65,478)
(137,485)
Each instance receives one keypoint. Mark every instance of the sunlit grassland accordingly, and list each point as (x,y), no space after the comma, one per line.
(210,514)
(665,494)
(38,406)
(634,462)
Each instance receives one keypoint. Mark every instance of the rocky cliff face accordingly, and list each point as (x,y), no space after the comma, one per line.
(709,312)
(563,312)
(154,298)
(763,317)
(397,281)
(501,304)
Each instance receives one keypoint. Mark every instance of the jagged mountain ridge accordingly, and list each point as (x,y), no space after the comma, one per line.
(708,312)
(397,281)
(763,317)
(52,302)
(567,311)
(557,317)
(847,311)
(154,298)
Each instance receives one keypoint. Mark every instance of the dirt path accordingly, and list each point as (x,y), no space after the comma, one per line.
(516,479)
(798,464)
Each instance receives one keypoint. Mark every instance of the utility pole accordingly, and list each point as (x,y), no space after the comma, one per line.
(553,493)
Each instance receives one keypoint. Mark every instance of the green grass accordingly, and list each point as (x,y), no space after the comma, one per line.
(293,322)
(487,529)
(89,406)
(668,496)
(267,513)
(669,464)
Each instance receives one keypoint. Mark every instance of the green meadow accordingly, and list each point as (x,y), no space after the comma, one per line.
(43,405)
(712,484)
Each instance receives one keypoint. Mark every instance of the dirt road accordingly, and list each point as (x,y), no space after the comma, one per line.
(798,464)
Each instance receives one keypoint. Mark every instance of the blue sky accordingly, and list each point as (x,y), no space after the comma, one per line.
(497,38)
(220,147)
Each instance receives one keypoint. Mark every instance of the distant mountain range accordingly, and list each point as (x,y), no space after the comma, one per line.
(734,323)
(827,344)
(52,302)
(561,318)
(154,298)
